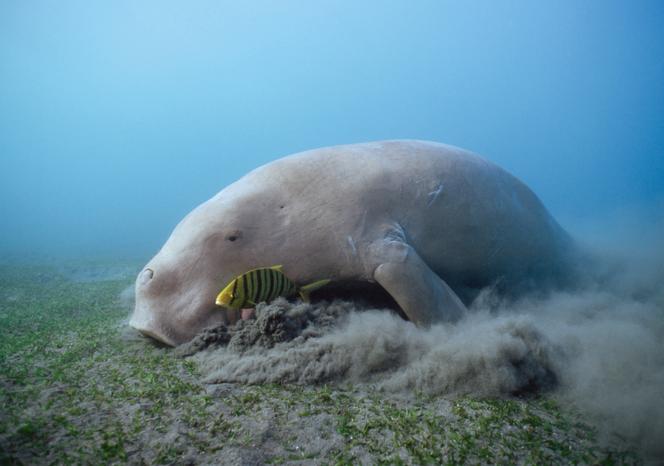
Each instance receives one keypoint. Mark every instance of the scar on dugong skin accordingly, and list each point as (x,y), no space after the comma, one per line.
(421,221)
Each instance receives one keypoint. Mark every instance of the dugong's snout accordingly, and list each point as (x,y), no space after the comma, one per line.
(172,308)
(145,317)
(148,322)
(143,320)
(155,336)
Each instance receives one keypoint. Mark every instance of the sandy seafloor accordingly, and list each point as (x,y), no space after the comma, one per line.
(322,384)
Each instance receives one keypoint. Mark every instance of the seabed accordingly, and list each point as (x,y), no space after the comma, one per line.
(77,386)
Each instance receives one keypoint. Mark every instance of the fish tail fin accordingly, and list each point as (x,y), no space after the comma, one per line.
(307,289)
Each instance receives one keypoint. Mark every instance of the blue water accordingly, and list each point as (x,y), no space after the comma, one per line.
(117,118)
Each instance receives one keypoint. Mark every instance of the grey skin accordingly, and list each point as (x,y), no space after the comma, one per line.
(425,221)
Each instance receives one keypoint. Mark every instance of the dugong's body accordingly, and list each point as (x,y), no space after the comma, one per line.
(424,221)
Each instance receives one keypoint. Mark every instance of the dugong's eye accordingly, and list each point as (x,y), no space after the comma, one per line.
(234,235)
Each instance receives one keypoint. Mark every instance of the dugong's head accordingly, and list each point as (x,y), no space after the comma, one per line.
(220,239)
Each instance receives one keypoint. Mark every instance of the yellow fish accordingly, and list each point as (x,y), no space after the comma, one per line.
(262,285)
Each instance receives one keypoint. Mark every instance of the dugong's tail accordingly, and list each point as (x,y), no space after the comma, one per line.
(306,290)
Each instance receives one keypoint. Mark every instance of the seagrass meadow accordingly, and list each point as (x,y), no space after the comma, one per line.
(78,387)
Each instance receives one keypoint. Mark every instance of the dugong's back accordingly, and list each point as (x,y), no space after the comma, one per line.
(471,221)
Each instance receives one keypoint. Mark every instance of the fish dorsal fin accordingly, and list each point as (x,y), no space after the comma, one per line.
(278,268)
(256,269)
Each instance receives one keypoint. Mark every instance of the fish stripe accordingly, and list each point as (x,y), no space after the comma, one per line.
(270,285)
(280,283)
(238,291)
(252,278)
(277,283)
(275,287)
(288,285)
(264,285)
(244,291)
(233,296)
(246,284)
(259,284)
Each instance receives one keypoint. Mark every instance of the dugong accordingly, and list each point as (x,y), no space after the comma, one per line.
(422,222)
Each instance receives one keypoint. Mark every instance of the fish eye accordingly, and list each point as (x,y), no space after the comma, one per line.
(232,238)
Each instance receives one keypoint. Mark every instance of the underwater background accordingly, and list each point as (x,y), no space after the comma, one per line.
(118,118)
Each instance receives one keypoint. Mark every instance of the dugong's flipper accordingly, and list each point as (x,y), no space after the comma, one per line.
(422,295)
